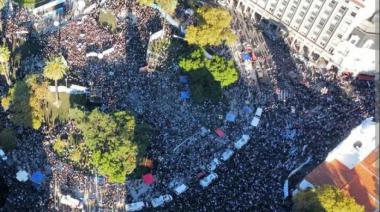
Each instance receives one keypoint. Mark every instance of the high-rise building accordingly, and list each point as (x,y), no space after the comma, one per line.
(313,27)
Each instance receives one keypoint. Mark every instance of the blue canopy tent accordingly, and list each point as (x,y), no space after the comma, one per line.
(247,109)
(184,95)
(231,117)
(37,177)
(183,79)
(246,57)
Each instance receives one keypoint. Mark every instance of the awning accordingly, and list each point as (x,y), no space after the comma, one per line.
(37,177)
(147,163)
(231,117)
(247,109)
(148,179)
(365,77)
(184,95)
(254,58)
(220,133)
(22,176)
(246,57)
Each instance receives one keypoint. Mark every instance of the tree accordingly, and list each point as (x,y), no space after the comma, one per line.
(109,140)
(26,102)
(108,19)
(59,146)
(222,70)
(55,69)
(4,63)
(168,6)
(37,96)
(213,29)
(325,198)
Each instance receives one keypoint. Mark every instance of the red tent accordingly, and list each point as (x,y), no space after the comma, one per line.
(148,179)
(254,58)
(365,77)
(219,132)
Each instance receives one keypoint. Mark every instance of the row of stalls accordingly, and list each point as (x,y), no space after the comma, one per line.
(205,179)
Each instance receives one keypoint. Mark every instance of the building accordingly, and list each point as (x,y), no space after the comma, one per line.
(312,27)
(352,166)
(357,54)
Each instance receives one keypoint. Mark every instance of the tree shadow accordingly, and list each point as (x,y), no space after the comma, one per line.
(29,155)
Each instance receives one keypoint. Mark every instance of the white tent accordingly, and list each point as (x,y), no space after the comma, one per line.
(92,54)
(22,176)
(81,5)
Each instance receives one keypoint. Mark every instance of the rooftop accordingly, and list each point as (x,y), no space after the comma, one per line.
(353,167)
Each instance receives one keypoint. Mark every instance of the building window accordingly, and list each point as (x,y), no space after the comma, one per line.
(358,144)
(354,39)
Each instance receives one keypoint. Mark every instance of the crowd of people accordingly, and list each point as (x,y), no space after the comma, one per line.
(319,104)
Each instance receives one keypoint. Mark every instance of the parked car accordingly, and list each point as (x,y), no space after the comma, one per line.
(180,189)
(241,142)
(136,206)
(71,202)
(214,164)
(206,181)
(259,111)
(227,154)
(158,201)
(255,121)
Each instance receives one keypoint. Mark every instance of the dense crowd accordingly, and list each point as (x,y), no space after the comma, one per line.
(318,104)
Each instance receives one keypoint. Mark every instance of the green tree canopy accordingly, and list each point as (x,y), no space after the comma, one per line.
(109,142)
(326,198)
(5,55)
(213,29)
(168,6)
(107,18)
(221,69)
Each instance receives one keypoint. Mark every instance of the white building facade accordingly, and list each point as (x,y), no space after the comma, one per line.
(313,27)
(358,54)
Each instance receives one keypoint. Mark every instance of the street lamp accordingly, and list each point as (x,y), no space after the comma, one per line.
(58,24)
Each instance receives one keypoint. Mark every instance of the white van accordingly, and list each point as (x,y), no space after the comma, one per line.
(214,164)
(259,111)
(227,154)
(206,181)
(136,206)
(71,202)
(180,189)
(158,201)
(241,142)
(255,121)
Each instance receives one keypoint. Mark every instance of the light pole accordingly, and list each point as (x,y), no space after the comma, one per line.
(58,24)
